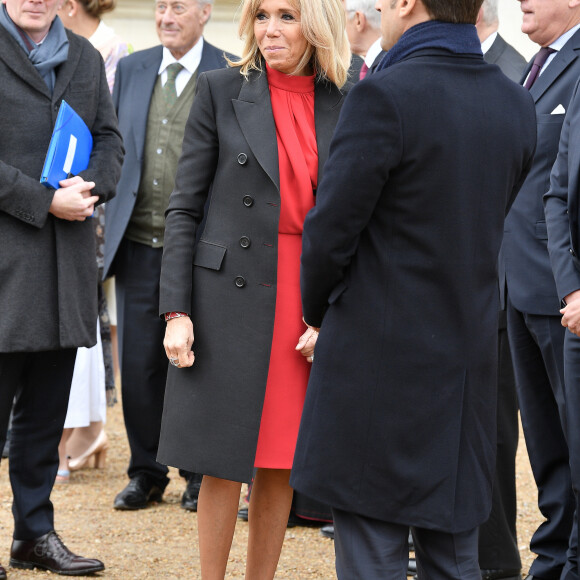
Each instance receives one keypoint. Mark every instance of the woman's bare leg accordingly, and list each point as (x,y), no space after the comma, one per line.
(269,509)
(217,512)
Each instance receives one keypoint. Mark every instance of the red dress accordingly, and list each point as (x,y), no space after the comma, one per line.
(293,107)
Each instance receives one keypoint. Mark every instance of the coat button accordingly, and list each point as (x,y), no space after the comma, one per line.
(572,252)
(245,242)
(248,200)
(240,281)
(242,158)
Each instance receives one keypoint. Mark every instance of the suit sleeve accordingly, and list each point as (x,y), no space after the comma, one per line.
(364,149)
(193,180)
(566,274)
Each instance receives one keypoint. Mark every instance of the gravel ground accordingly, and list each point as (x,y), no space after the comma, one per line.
(161,541)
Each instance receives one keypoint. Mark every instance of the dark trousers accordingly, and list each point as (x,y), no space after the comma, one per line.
(537,347)
(369,549)
(572,376)
(498,542)
(141,354)
(39,383)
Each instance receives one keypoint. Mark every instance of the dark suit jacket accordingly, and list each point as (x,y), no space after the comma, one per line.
(562,207)
(134,83)
(212,411)
(509,60)
(399,266)
(48,275)
(529,275)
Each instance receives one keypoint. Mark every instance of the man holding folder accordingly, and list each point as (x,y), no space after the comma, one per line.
(48,295)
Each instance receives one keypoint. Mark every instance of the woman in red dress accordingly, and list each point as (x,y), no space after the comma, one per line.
(255,144)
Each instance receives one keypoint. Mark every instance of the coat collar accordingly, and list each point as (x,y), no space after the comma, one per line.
(16,59)
(565,57)
(495,50)
(253,110)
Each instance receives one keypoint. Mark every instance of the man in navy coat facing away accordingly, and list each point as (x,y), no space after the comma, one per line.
(399,269)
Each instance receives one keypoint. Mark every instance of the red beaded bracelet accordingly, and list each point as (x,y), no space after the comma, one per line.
(170,315)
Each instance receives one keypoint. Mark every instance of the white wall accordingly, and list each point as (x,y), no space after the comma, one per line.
(510,21)
(134,21)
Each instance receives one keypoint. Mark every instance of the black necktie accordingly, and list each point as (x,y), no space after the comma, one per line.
(537,65)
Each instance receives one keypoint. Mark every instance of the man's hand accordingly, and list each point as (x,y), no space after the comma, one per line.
(73,200)
(178,341)
(571,312)
(307,343)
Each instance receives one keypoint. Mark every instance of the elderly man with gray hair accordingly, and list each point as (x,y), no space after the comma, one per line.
(363,28)
(154,91)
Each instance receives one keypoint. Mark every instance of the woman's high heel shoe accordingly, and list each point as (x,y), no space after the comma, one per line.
(98,450)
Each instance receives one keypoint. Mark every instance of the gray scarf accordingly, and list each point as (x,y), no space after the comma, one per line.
(46,56)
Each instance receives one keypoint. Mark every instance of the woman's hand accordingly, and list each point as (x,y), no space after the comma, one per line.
(307,342)
(178,341)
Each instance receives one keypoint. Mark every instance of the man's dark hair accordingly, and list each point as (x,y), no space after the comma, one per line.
(456,11)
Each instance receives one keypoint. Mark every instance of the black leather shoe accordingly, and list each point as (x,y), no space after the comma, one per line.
(2,573)
(501,575)
(49,553)
(189,497)
(139,492)
(327,531)
(411,567)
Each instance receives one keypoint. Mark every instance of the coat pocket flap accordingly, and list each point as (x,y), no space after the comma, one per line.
(209,255)
(336,292)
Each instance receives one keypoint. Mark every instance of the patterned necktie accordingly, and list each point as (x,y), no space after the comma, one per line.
(169,92)
(537,65)
(364,69)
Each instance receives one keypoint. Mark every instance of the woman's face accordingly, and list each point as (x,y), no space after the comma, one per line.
(279,36)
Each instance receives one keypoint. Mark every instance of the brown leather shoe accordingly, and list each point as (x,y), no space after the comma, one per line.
(2,573)
(49,553)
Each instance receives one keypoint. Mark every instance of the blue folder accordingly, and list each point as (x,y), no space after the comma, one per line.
(70,147)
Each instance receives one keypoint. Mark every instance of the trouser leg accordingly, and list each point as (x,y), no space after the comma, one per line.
(143,359)
(537,344)
(39,412)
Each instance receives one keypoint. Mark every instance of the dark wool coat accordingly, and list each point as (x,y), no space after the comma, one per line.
(48,272)
(399,266)
(227,281)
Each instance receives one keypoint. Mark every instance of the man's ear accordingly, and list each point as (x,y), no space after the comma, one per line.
(406,7)
(205,14)
(360,21)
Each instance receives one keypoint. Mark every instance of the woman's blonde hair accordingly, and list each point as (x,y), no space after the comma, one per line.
(323,25)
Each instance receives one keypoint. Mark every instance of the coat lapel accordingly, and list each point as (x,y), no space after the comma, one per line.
(253,110)
(67,70)
(17,60)
(327,100)
(143,81)
(561,62)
